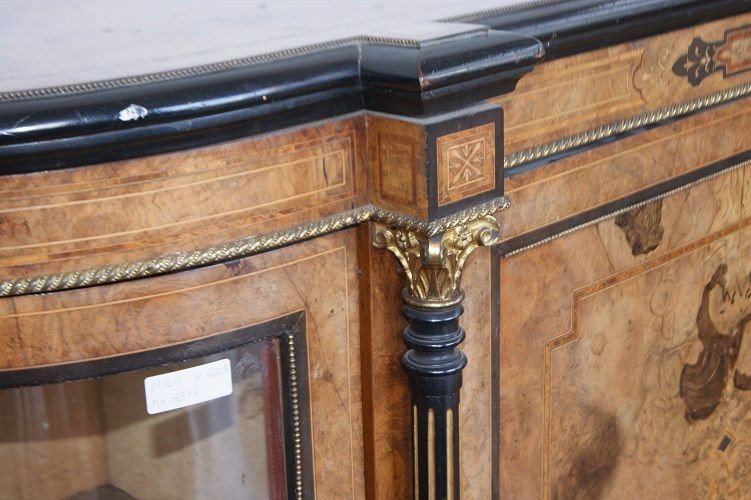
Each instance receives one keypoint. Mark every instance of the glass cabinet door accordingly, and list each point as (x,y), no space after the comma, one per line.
(180,422)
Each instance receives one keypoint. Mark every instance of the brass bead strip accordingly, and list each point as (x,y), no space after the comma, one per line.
(474,17)
(626,125)
(192,71)
(245,247)
(296,429)
(615,213)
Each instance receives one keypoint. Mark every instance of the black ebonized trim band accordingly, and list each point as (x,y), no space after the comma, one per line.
(62,130)
(87,128)
(495,373)
(575,26)
(179,114)
(538,235)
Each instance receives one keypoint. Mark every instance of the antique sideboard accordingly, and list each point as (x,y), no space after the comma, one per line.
(379,250)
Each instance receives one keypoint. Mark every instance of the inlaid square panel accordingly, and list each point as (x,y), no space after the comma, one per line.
(396,168)
(466,163)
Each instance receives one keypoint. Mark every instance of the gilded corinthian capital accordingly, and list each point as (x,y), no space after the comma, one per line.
(433,264)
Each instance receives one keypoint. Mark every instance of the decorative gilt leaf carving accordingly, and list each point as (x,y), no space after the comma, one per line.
(433,265)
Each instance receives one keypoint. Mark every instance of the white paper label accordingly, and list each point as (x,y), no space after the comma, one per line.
(190,386)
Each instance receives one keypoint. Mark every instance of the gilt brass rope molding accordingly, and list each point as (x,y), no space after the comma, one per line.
(615,213)
(245,247)
(624,126)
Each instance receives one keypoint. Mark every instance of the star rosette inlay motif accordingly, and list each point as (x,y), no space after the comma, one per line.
(466,163)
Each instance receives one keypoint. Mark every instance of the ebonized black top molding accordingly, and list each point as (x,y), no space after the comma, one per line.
(574,26)
(455,62)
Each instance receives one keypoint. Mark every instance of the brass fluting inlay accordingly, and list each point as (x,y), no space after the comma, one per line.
(415,457)
(243,248)
(431,454)
(449,454)
(433,264)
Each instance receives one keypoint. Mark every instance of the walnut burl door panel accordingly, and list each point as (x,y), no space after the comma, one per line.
(316,279)
(626,353)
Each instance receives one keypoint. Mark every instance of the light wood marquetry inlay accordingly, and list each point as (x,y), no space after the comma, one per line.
(643,356)
(574,94)
(465,163)
(397,177)
(396,160)
(729,56)
(102,214)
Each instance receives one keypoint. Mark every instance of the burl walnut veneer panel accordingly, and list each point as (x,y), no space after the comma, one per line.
(386,399)
(624,366)
(97,215)
(396,150)
(603,174)
(476,406)
(574,94)
(318,277)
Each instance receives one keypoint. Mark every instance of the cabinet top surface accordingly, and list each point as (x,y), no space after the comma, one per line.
(49,43)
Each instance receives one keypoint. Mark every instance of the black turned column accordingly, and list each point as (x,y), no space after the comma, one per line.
(433,264)
(434,368)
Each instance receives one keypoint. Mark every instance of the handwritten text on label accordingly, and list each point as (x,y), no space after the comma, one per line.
(190,386)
